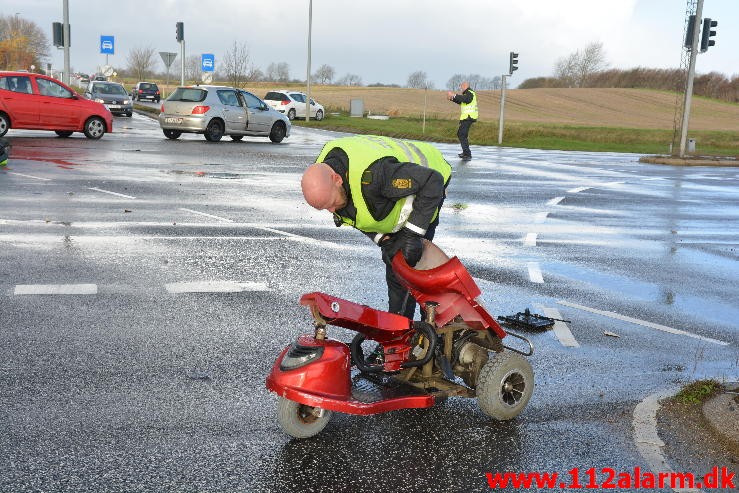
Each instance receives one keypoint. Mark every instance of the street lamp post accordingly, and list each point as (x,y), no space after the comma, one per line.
(310,26)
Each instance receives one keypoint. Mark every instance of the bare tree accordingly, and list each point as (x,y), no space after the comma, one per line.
(22,44)
(350,80)
(271,73)
(575,69)
(193,68)
(237,66)
(141,61)
(283,72)
(325,74)
(453,83)
(418,80)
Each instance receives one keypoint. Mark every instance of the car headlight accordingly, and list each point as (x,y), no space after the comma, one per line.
(126,101)
(98,100)
(298,356)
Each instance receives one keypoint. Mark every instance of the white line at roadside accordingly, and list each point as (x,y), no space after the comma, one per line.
(30,176)
(578,189)
(215,287)
(560,330)
(112,193)
(646,437)
(643,323)
(555,201)
(535,272)
(22,289)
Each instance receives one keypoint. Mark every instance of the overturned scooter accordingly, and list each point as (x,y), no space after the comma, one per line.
(423,362)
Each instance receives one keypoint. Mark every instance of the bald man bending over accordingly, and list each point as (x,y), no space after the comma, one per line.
(389,189)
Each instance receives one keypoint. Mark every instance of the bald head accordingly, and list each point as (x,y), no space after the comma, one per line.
(323,187)
(464,86)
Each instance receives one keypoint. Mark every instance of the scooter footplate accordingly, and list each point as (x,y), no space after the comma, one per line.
(371,389)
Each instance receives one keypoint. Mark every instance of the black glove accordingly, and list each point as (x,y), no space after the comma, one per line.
(406,241)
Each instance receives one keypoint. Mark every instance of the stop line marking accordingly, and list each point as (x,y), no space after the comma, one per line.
(643,323)
(22,289)
(215,287)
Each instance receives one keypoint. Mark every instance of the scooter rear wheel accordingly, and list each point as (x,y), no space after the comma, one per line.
(299,420)
(505,385)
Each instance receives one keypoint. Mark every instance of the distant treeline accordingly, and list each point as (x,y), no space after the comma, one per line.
(712,85)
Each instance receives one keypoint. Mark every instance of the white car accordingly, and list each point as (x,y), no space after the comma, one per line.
(292,104)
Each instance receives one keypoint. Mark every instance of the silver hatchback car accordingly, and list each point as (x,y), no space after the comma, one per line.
(215,111)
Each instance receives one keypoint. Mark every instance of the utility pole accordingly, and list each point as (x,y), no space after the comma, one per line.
(691,76)
(310,25)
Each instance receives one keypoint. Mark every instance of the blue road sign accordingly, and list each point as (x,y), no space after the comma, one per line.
(208,62)
(107,45)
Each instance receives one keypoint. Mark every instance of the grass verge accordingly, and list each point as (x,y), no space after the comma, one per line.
(533,136)
(698,392)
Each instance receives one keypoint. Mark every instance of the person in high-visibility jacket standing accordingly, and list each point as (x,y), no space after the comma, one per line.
(389,189)
(468,115)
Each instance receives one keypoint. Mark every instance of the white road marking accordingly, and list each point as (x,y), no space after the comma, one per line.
(21,289)
(646,437)
(535,272)
(215,287)
(112,193)
(560,330)
(530,240)
(555,201)
(578,189)
(206,215)
(540,217)
(29,176)
(644,323)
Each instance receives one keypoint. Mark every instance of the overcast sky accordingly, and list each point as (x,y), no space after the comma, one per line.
(384,41)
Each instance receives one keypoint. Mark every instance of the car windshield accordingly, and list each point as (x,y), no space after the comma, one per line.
(113,89)
(147,86)
(275,96)
(189,94)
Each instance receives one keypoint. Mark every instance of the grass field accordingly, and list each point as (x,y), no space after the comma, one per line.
(620,120)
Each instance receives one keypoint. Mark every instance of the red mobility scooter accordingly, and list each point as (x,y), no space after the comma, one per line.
(457,351)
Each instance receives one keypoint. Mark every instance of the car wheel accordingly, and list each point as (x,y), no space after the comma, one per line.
(63,133)
(4,124)
(172,134)
(214,131)
(129,114)
(237,138)
(94,128)
(319,115)
(291,114)
(278,132)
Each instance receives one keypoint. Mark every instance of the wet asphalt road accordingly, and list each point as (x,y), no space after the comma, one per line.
(135,387)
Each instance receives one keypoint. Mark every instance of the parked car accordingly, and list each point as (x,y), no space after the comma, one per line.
(292,104)
(112,94)
(215,111)
(37,102)
(146,90)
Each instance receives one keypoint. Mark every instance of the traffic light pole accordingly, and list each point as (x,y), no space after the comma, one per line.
(502,109)
(65,30)
(691,76)
(182,62)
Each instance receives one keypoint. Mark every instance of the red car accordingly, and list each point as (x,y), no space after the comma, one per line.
(38,102)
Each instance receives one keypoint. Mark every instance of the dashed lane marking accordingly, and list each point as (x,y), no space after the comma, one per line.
(22,289)
(530,240)
(578,189)
(560,330)
(643,323)
(112,193)
(535,272)
(215,287)
(30,176)
(206,215)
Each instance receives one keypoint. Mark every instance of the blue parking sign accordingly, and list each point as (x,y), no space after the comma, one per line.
(107,45)
(208,62)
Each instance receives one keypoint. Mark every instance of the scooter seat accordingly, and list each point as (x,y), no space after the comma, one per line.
(376,324)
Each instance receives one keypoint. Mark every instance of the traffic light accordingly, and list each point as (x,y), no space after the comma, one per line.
(512,63)
(58,33)
(689,32)
(180,31)
(707,34)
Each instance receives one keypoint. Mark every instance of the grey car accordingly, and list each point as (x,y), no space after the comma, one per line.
(215,111)
(112,94)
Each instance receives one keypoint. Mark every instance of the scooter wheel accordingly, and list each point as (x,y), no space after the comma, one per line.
(505,385)
(299,420)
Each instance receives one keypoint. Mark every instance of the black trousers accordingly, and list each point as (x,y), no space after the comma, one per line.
(463,132)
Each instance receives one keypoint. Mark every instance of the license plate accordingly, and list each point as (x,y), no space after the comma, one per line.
(114,106)
(170,119)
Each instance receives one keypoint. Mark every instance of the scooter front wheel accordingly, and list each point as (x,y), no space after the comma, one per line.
(299,420)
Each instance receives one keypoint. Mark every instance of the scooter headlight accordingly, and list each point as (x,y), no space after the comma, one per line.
(299,355)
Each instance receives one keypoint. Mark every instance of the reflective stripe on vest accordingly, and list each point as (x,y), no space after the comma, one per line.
(363,150)
(469,109)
